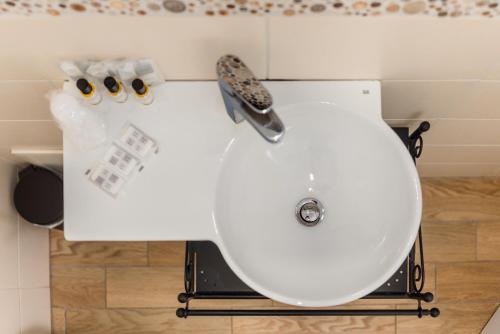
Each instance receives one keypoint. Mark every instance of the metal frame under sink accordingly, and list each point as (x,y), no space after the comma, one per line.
(207,276)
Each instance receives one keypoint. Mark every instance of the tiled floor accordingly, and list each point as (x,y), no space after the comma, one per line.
(132,287)
(24,271)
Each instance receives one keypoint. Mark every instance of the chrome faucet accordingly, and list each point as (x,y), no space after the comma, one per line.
(247,99)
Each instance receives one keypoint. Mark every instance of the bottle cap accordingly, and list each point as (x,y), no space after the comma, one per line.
(84,86)
(111,84)
(139,86)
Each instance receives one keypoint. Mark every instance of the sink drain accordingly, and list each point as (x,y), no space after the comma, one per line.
(309,212)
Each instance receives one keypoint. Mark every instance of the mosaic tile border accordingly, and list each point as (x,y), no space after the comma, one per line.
(433,8)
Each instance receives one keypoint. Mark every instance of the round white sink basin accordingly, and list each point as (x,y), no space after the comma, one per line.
(360,172)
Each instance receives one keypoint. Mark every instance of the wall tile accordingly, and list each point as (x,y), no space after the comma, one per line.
(460,154)
(38,155)
(371,48)
(25,100)
(35,311)
(184,48)
(27,133)
(33,256)
(8,228)
(9,311)
(471,99)
(456,131)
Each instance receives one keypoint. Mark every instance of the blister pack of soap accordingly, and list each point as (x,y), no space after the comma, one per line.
(123,160)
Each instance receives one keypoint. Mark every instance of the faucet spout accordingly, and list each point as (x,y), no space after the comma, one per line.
(247,99)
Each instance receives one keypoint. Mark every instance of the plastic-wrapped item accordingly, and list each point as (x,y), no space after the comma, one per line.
(137,142)
(148,71)
(107,179)
(75,69)
(123,160)
(82,126)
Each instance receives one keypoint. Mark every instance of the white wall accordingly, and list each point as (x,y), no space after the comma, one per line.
(24,267)
(446,71)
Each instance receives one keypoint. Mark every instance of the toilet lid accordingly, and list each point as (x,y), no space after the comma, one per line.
(38,196)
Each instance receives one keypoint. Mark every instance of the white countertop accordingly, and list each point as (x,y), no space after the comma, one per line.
(173,197)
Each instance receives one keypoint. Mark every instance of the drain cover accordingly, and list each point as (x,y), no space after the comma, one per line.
(309,212)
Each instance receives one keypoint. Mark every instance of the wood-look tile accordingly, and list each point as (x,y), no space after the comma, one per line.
(231,303)
(58,320)
(142,321)
(316,324)
(449,242)
(488,241)
(144,286)
(472,281)
(96,253)
(167,253)
(456,318)
(78,287)
(461,199)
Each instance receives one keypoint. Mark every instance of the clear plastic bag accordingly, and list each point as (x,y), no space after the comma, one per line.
(85,128)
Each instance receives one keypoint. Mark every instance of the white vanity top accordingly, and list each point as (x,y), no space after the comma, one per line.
(173,197)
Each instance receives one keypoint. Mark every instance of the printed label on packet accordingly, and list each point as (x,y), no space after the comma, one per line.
(107,179)
(137,142)
(121,160)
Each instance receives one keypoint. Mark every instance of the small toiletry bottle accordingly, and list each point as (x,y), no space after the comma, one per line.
(142,91)
(115,89)
(88,90)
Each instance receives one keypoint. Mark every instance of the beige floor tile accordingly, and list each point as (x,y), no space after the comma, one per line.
(316,324)
(96,253)
(35,311)
(167,252)
(78,287)
(461,318)
(461,199)
(449,242)
(472,281)
(58,320)
(488,241)
(137,321)
(144,286)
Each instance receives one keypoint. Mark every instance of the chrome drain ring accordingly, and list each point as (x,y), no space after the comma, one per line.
(309,212)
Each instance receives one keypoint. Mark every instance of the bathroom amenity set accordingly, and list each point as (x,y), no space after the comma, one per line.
(75,109)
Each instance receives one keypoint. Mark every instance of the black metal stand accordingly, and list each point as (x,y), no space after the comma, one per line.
(207,276)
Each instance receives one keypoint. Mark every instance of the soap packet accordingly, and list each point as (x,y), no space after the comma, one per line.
(107,179)
(123,160)
(137,142)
